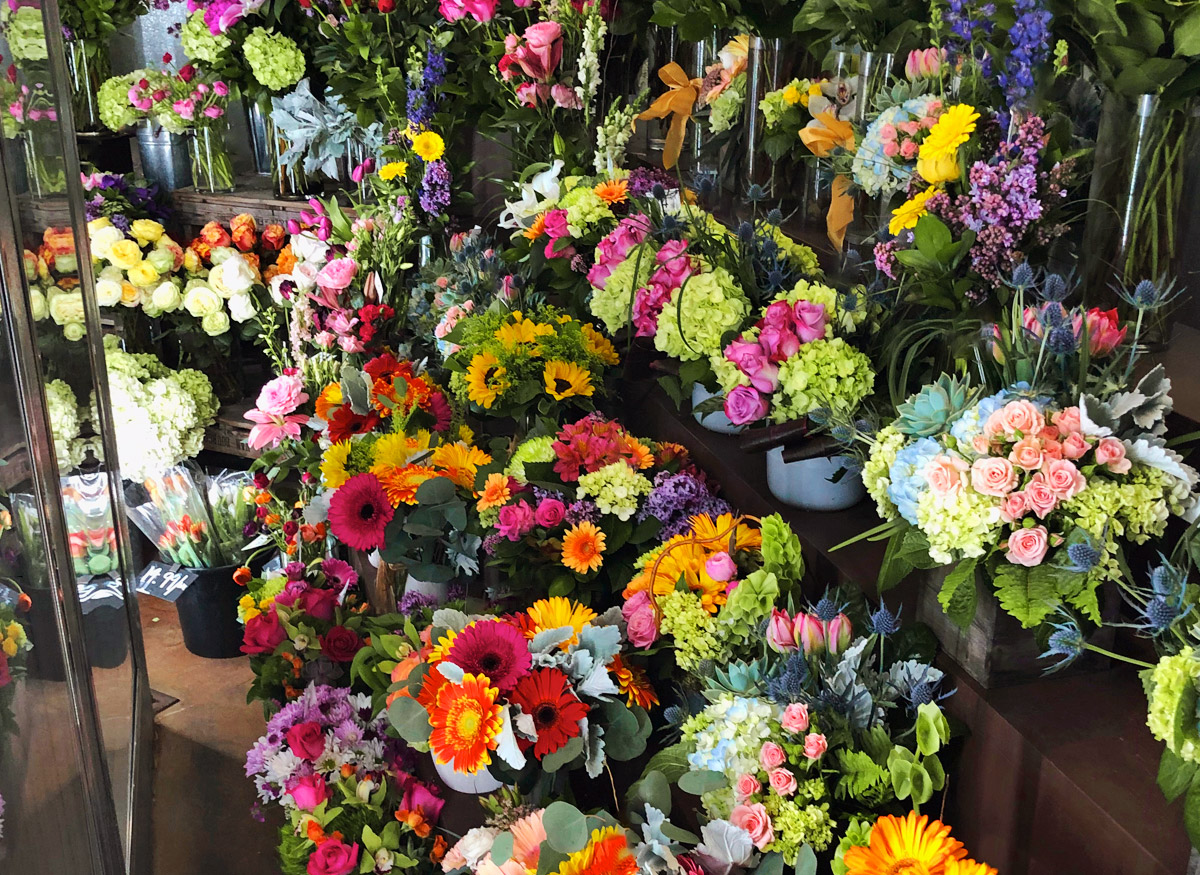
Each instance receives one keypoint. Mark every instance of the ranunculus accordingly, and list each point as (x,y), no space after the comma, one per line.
(771,756)
(333,857)
(720,567)
(1111,452)
(1075,446)
(782,782)
(747,785)
(337,274)
(263,634)
(1104,331)
(108,292)
(282,396)
(550,512)
(745,405)
(754,820)
(541,50)
(340,644)
(1013,507)
(1027,454)
(810,321)
(815,745)
(838,634)
(640,622)
(946,474)
(809,633)
(795,718)
(993,476)
(1040,498)
(201,301)
(1064,478)
(166,297)
(309,792)
(780,636)
(307,740)
(515,520)
(1028,546)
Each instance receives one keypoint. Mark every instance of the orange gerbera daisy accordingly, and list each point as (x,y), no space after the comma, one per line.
(459,462)
(632,681)
(537,229)
(466,721)
(969,867)
(607,853)
(329,400)
(613,191)
(496,492)
(401,484)
(908,845)
(583,548)
(639,454)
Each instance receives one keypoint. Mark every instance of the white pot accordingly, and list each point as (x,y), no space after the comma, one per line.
(805,484)
(440,591)
(479,783)
(717,420)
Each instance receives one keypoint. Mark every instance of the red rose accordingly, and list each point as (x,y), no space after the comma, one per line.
(333,857)
(306,740)
(263,633)
(340,644)
(318,603)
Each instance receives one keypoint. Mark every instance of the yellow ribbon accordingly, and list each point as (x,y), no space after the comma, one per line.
(840,214)
(821,140)
(678,101)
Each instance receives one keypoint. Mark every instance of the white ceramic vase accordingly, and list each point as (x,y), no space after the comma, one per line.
(806,484)
(717,420)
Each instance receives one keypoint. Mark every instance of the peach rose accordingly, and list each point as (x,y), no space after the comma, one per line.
(815,745)
(993,476)
(1013,507)
(795,718)
(980,443)
(1028,546)
(1064,478)
(1039,496)
(1067,420)
(1021,417)
(747,785)
(1111,452)
(783,782)
(1075,446)
(946,474)
(771,756)
(1027,454)
(1051,449)
(754,820)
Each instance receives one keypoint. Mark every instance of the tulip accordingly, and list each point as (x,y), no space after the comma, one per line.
(924,63)
(809,633)
(779,632)
(1104,331)
(838,634)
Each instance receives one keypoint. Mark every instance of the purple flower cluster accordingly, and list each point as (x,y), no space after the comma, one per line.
(676,498)
(1030,39)
(584,509)
(491,542)
(414,602)
(643,179)
(422,89)
(435,188)
(969,20)
(114,196)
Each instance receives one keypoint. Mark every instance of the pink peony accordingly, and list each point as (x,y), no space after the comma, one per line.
(993,476)
(1111,452)
(771,756)
(795,718)
(309,792)
(782,782)
(1040,498)
(946,475)
(1028,546)
(810,321)
(641,624)
(281,396)
(815,745)
(754,820)
(744,405)
(746,786)
(1064,478)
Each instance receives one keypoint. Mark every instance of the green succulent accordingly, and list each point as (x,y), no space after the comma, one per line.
(931,410)
(739,678)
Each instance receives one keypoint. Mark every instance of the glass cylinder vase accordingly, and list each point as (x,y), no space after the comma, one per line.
(701,160)
(87,67)
(212,169)
(258,124)
(764,73)
(289,181)
(870,75)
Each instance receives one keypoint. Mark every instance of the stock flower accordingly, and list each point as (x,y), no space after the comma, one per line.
(952,129)
(492,648)
(359,512)
(486,380)
(555,613)
(466,721)
(583,548)
(429,145)
(905,845)
(546,696)
(906,215)
(567,380)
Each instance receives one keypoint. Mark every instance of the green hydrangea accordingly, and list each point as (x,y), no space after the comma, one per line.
(750,603)
(707,307)
(537,449)
(858,835)
(824,373)
(611,304)
(781,549)
(727,373)
(584,208)
(200,43)
(63,410)
(1171,689)
(801,257)
(726,110)
(959,524)
(796,824)
(615,488)
(876,473)
(25,33)
(275,60)
(775,104)
(112,100)
(696,633)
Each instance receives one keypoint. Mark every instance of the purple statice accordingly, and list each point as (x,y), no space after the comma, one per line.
(643,179)
(1030,47)
(675,499)
(584,509)
(435,188)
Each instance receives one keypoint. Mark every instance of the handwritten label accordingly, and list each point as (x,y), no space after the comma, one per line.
(164,581)
(98,592)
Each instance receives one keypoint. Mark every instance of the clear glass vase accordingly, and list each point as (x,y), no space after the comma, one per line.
(701,161)
(867,75)
(212,169)
(765,72)
(289,181)
(87,68)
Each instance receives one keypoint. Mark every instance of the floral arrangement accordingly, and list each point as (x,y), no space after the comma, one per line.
(133,264)
(14,650)
(320,130)
(177,100)
(549,688)
(912,840)
(571,511)
(473,274)
(122,199)
(723,89)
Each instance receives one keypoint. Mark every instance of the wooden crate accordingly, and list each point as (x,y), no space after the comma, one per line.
(228,434)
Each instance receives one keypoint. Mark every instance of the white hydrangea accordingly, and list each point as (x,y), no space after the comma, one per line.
(65,425)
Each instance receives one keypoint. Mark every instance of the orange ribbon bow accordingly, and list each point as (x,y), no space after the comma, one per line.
(678,101)
(821,140)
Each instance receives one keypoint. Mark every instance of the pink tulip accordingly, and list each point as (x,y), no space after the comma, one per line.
(924,63)
(809,633)
(779,632)
(838,634)
(1104,331)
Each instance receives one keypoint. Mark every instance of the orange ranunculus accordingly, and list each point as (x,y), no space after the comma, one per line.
(243,231)
(272,519)
(242,576)
(214,234)
(286,262)
(272,238)
(262,498)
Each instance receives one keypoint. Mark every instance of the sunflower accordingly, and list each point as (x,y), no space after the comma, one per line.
(333,464)
(910,845)
(521,331)
(557,612)
(496,492)
(486,379)
(567,380)
(583,548)
(950,131)
(596,344)
(968,867)
(460,462)
(329,400)
(607,853)
(537,229)
(493,649)
(466,721)
(401,484)
(546,696)
(631,680)
(906,215)
(613,191)
(429,146)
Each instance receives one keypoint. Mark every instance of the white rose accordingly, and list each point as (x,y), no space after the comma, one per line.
(111,272)
(102,240)
(276,287)
(202,301)
(306,247)
(215,323)
(166,297)
(241,308)
(108,293)
(305,276)
(221,254)
(476,845)
(74,331)
(66,308)
(234,276)
(38,308)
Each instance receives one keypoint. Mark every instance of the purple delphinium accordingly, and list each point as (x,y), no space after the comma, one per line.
(1030,47)
(968,20)
(675,499)
(435,188)
(422,95)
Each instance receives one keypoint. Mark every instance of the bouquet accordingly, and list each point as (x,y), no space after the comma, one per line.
(135,266)
(221,36)
(472,275)
(177,100)
(570,512)
(550,688)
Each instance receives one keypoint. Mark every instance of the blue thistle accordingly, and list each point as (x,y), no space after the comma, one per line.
(775,217)
(1055,288)
(756,193)
(1061,340)
(1022,276)
(884,622)
(1066,642)
(1084,557)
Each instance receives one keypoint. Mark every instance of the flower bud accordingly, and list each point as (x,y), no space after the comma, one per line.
(838,634)
(779,632)
(809,634)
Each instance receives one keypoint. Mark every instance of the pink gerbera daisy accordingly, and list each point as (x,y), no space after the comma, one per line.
(359,512)
(492,648)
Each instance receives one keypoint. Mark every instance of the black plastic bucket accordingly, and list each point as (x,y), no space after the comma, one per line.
(208,613)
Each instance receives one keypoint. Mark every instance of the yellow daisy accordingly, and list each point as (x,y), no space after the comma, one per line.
(459,462)
(567,380)
(486,380)
(393,170)
(951,130)
(521,331)
(333,464)
(429,146)
(906,215)
(598,345)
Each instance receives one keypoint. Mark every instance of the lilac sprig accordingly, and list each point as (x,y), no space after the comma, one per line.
(676,498)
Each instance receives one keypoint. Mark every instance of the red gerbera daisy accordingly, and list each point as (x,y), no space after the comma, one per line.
(359,512)
(547,697)
(345,423)
(493,648)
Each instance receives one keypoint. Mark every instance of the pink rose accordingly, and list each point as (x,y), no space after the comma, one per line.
(515,520)
(1013,507)
(1039,496)
(747,785)
(1027,454)
(778,315)
(795,718)
(263,633)
(674,264)
(556,224)
(481,10)
(771,756)
(1051,449)
(550,512)
(780,636)
(1067,420)
(452,10)
(810,321)
(815,745)
(748,356)
(337,274)
(745,405)
(541,51)
(318,603)
(641,625)
(782,782)
(418,796)
(766,379)
(333,857)
(1064,478)
(720,567)
(809,633)
(281,396)
(993,476)
(779,344)
(1020,416)
(564,97)
(309,792)
(946,475)
(1111,452)
(306,740)
(1075,446)
(1028,546)
(754,820)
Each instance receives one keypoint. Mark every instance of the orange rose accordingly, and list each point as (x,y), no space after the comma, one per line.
(243,231)
(242,576)
(60,241)
(200,249)
(273,237)
(214,234)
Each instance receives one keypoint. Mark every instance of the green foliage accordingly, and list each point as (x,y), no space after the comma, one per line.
(958,596)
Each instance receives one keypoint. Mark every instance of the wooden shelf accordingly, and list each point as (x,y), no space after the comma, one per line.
(254,195)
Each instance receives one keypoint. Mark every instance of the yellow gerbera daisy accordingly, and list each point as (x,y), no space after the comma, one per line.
(486,380)
(521,331)
(333,464)
(429,145)
(558,611)
(393,170)
(459,462)
(394,451)
(567,380)
(951,130)
(598,345)
(905,216)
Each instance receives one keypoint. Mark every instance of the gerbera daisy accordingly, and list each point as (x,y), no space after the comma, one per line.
(598,345)
(345,423)
(583,548)
(528,834)
(460,462)
(546,696)
(429,146)
(359,512)
(396,450)
(613,191)
(521,331)
(493,648)
(607,853)
(401,484)
(632,681)
(906,215)
(466,721)
(556,612)
(910,845)
(486,379)
(968,867)
(329,400)
(953,128)
(537,229)
(333,464)
(566,380)
(496,491)
(640,455)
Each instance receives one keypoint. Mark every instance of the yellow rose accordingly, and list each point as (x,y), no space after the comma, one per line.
(9,647)
(146,230)
(143,274)
(96,224)
(191,261)
(939,169)
(15,632)
(125,253)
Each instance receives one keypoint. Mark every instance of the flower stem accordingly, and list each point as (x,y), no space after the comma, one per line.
(1117,656)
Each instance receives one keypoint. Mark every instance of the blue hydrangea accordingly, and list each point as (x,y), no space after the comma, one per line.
(907,476)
